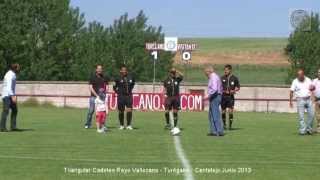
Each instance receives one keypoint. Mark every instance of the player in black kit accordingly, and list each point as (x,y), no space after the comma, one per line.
(230,85)
(123,87)
(172,99)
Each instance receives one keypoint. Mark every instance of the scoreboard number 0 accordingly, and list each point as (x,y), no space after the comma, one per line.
(186,56)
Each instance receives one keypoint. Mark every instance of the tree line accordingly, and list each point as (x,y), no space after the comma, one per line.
(303,48)
(52,41)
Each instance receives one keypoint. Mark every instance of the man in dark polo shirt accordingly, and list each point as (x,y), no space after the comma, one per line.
(231,85)
(123,87)
(172,102)
(96,82)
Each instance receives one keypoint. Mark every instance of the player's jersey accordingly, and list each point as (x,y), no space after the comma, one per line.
(229,83)
(124,85)
(172,85)
(101,106)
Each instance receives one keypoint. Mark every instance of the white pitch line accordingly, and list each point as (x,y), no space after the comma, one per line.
(188,175)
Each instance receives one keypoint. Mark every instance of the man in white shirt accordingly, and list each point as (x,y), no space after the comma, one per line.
(316,83)
(302,88)
(9,98)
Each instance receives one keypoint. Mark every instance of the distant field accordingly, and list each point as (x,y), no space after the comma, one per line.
(257,51)
(221,45)
(255,60)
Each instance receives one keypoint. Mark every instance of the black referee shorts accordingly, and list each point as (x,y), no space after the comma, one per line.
(172,102)
(124,102)
(227,102)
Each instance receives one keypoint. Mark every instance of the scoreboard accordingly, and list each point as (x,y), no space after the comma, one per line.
(171,44)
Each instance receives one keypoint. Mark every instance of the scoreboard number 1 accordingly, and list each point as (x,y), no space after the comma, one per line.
(154,54)
(186,55)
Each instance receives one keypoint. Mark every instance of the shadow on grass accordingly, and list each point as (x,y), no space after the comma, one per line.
(21,130)
(235,129)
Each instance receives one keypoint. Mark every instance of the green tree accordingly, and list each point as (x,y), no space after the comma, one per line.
(92,48)
(128,38)
(51,41)
(303,47)
(56,28)
(40,35)
(14,25)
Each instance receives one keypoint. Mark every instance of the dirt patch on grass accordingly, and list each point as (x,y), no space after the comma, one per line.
(254,58)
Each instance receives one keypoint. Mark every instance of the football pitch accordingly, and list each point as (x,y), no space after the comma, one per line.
(54,145)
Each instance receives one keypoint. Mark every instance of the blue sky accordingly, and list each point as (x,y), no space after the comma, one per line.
(204,18)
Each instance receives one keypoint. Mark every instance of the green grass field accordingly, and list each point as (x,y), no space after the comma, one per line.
(248,74)
(221,45)
(54,138)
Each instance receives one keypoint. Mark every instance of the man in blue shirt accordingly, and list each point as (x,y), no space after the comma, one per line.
(9,98)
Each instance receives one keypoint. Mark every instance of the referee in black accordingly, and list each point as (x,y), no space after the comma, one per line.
(230,85)
(172,99)
(123,87)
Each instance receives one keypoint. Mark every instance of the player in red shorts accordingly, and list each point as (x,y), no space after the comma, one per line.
(101,104)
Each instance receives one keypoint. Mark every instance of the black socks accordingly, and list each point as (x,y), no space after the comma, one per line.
(129,118)
(224,119)
(230,119)
(167,118)
(121,118)
(175,119)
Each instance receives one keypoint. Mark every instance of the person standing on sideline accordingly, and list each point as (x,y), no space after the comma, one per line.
(302,88)
(171,92)
(231,85)
(9,98)
(123,87)
(316,83)
(96,82)
(214,97)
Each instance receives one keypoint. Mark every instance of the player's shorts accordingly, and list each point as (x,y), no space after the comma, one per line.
(172,102)
(123,102)
(227,102)
(101,117)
